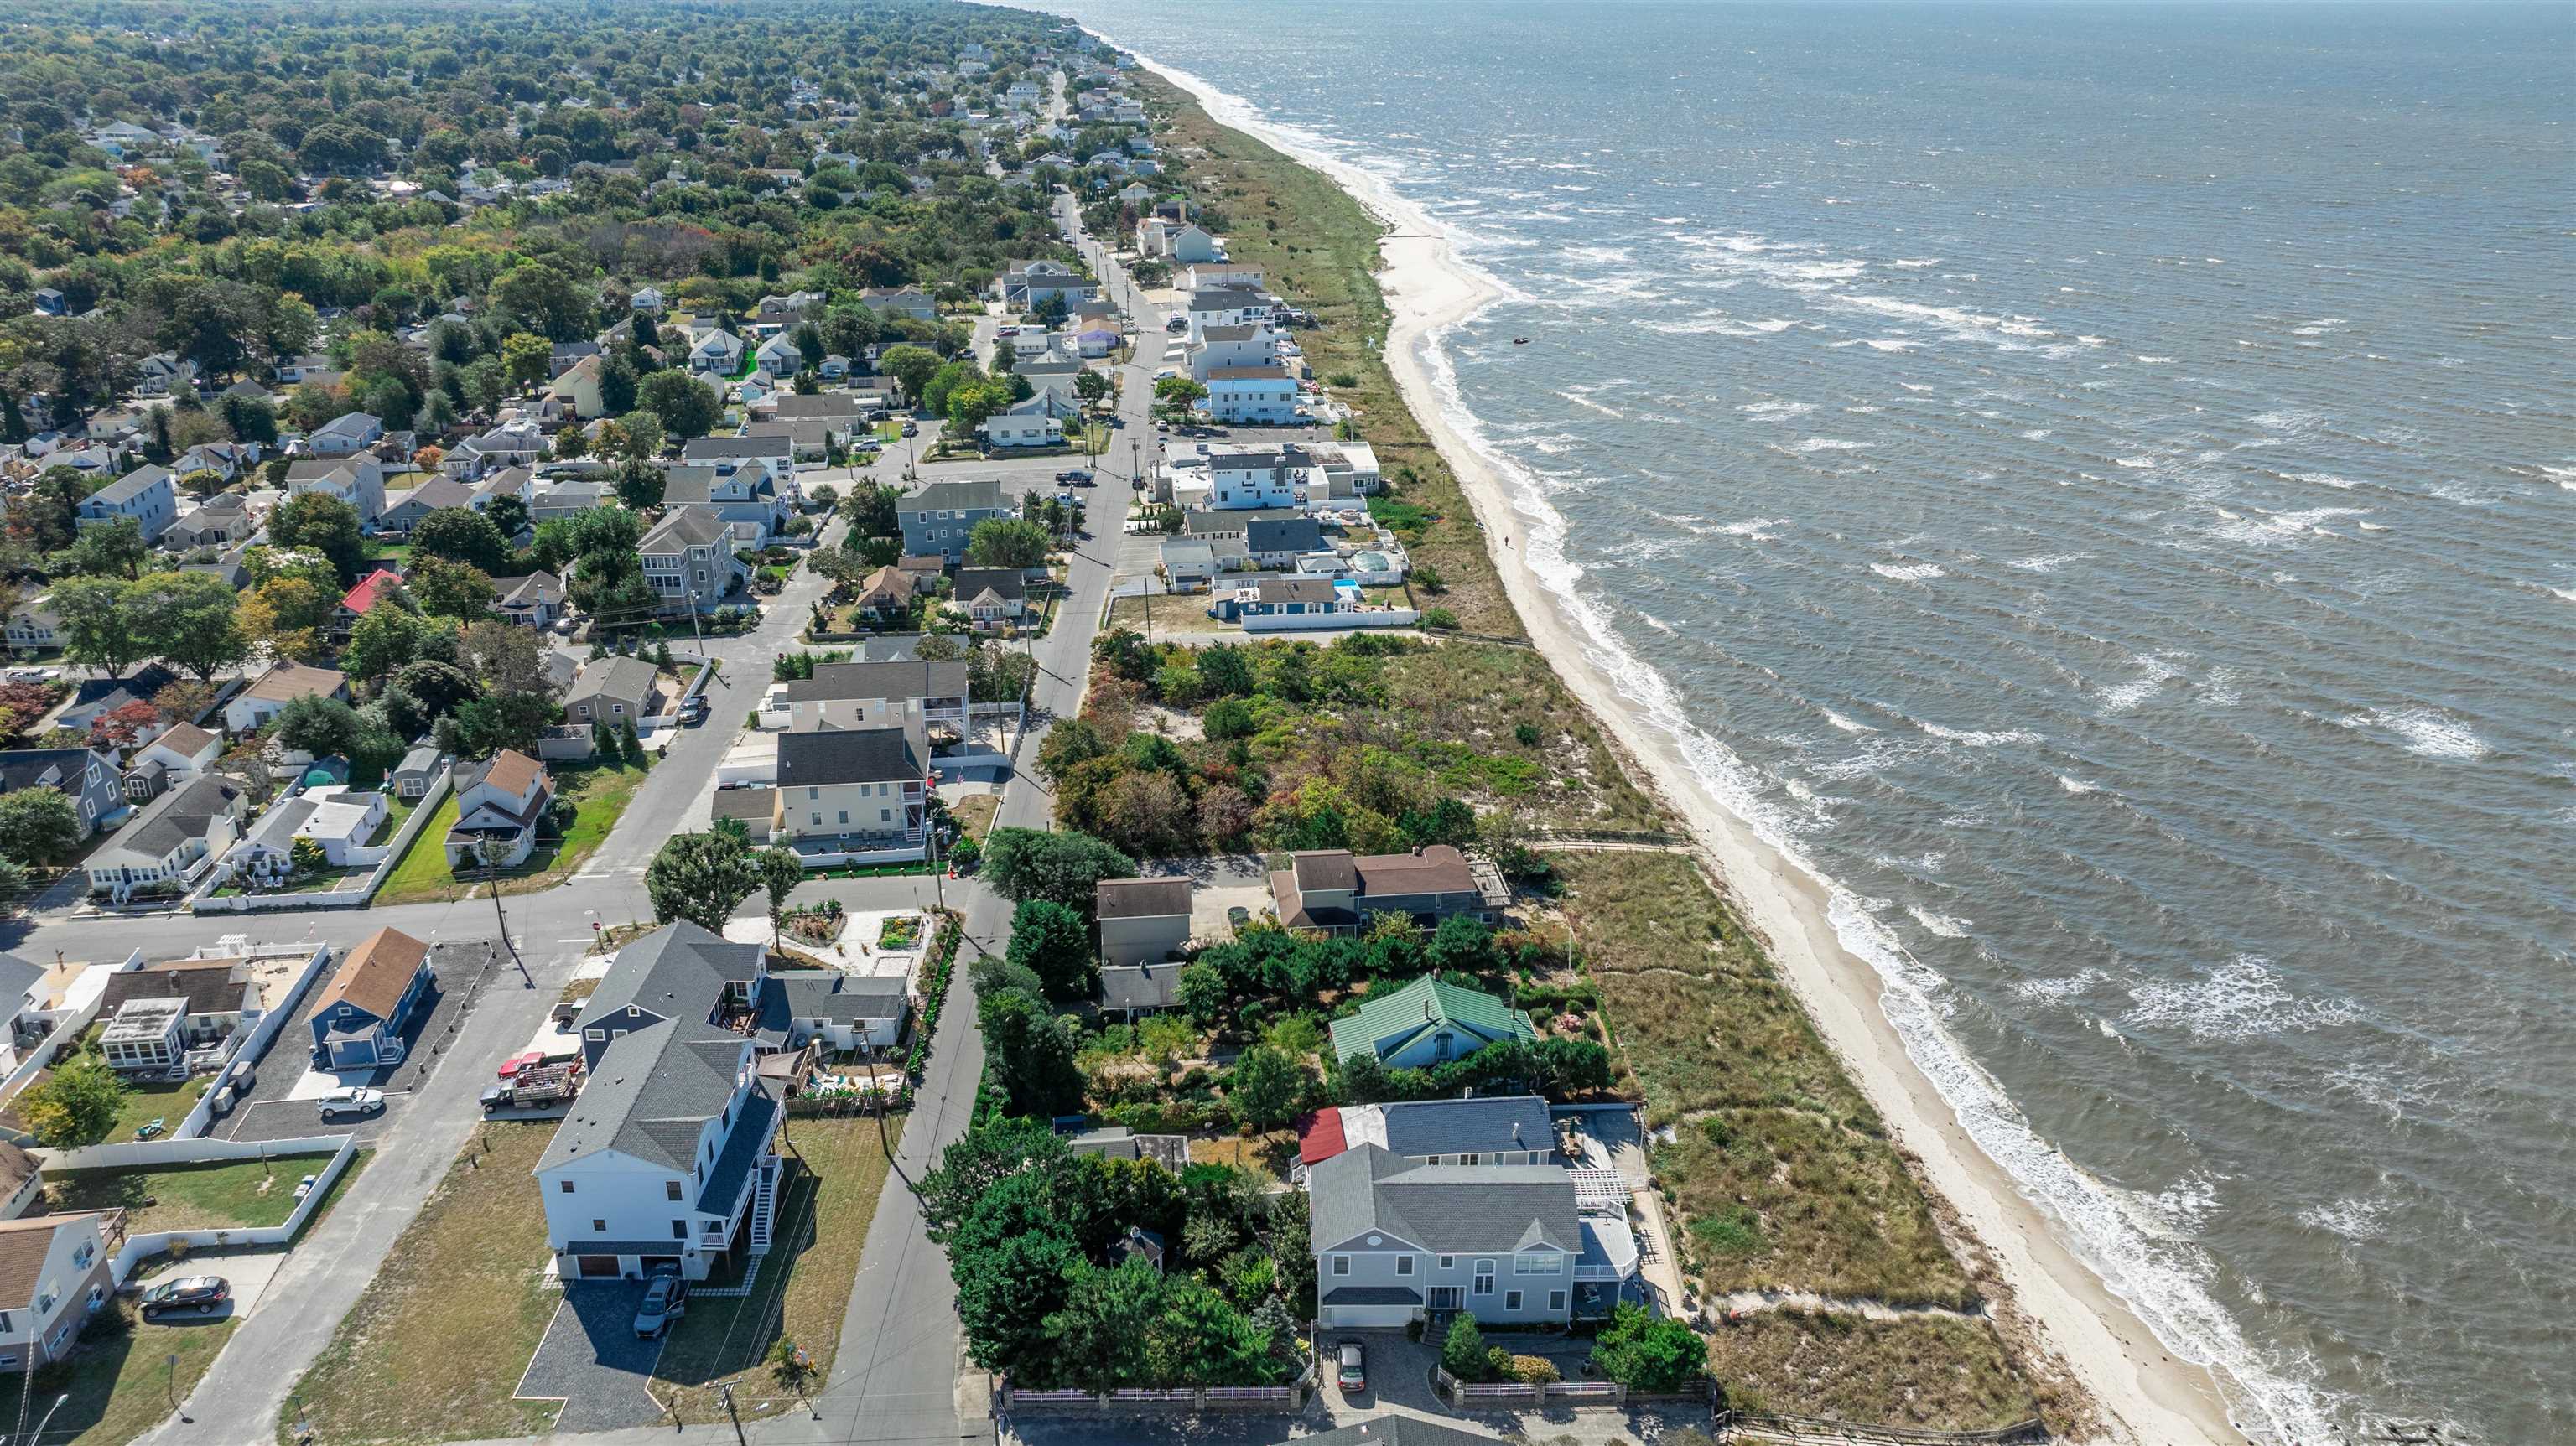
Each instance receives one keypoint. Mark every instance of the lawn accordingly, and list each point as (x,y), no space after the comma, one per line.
(144,1103)
(974,813)
(889,431)
(438,1342)
(121,1382)
(720,1338)
(241,1193)
(1779,1173)
(1166,615)
(598,794)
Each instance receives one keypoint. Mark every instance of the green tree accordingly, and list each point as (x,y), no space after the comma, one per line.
(1462,1351)
(1266,1087)
(1068,742)
(384,638)
(1644,1353)
(318,522)
(1203,992)
(76,1105)
(640,484)
(449,589)
(1007,542)
(545,300)
(461,534)
(529,360)
(1031,1054)
(1054,942)
(188,620)
(38,827)
(982,1158)
(1462,945)
(1063,868)
(643,432)
(780,872)
(700,877)
(912,366)
(97,625)
(114,548)
(316,725)
(685,406)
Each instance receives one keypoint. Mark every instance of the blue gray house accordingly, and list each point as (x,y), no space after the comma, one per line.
(145,494)
(359,1019)
(937,521)
(92,781)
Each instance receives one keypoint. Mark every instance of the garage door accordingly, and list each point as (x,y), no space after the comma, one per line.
(1362,1317)
(596,1267)
(659,1264)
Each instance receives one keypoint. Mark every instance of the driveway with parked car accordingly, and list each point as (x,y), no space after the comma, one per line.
(593,1361)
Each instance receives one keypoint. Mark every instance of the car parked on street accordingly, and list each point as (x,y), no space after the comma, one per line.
(351,1101)
(1075,474)
(204,1294)
(665,1300)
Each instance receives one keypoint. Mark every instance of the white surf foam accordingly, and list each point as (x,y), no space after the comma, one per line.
(1906,572)
(1941,924)
(2425,732)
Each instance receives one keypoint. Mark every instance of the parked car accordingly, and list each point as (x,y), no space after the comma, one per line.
(1352,1372)
(694,711)
(1075,474)
(911,429)
(204,1294)
(350,1101)
(665,1300)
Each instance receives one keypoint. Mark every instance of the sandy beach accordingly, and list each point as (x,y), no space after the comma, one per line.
(2145,1393)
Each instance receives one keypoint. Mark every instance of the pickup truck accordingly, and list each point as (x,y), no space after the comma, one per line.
(531,1088)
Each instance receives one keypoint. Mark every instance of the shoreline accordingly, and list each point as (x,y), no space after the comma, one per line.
(2142,1390)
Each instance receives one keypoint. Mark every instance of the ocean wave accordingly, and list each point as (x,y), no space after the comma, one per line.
(2240,999)
(1776,409)
(2355,1217)
(1974,738)
(1846,724)
(1906,572)
(2122,697)
(1827,444)
(2077,787)
(2047,561)
(2425,732)
(1941,924)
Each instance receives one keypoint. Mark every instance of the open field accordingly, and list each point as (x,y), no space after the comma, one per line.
(436,1345)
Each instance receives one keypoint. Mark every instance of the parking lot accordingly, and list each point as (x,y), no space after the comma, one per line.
(591,1360)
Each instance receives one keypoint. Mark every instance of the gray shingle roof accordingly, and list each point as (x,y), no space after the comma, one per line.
(653,1090)
(881,680)
(130,486)
(1460,1127)
(175,817)
(1140,986)
(1452,1209)
(854,755)
(686,527)
(984,496)
(627,680)
(706,449)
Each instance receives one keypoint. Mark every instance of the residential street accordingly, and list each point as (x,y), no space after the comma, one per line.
(899,1376)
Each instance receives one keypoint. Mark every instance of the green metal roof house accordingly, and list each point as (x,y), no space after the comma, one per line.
(1427,1023)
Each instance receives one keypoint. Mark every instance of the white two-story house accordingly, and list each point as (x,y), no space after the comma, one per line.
(1247,477)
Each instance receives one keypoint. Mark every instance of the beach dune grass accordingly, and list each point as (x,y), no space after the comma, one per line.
(436,1344)
(1323,251)
(1932,1372)
(1779,1173)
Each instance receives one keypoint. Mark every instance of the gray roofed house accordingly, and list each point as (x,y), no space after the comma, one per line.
(1206,525)
(1490,1125)
(1117,1142)
(1142,922)
(711,449)
(846,755)
(409,509)
(1136,989)
(852,1011)
(170,843)
(689,559)
(611,691)
(938,520)
(1280,541)
(91,780)
(755,808)
(148,495)
(1394,1240)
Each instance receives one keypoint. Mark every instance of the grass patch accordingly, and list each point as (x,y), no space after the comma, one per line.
(1166,615)
(1320,251)
(599,794)
(974,813)
(435,1346)
(234,1195)
(1780,1173)
(144,1103)
(716,1341)
(121,1380)
(1926,1372)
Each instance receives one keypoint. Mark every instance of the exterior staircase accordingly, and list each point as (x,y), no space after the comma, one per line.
(764,1206)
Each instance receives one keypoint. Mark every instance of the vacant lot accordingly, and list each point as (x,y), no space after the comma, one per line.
(721,1339)
(436,1345)
(1780,1173)
(1926,1371)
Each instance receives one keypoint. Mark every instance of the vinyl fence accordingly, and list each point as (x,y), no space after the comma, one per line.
(161,1154)
(354,896)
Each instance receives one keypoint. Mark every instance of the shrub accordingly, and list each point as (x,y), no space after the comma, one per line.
(1530,1370)
(1440,620)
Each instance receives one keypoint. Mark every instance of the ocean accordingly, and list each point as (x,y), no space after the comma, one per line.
(2098,484)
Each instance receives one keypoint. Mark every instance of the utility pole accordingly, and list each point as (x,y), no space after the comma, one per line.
(491,856)
(725,1388)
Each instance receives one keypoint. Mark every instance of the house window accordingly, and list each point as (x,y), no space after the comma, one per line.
(1470,1159)
(1511,1300)
(594,1034)
(671,1189)
(1556,1300)
(679,1230)
(1538,1263)
(816,819)
(599,1227)
(1484,1277)
(567,1187)
(1404,1265)
(1341,1265)
(845,818)
(1447,1262)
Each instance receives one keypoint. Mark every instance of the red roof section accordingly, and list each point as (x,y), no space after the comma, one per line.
(1319,1136)
(370,588)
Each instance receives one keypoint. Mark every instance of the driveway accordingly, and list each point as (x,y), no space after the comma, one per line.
(249,1273)
(591,1361)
